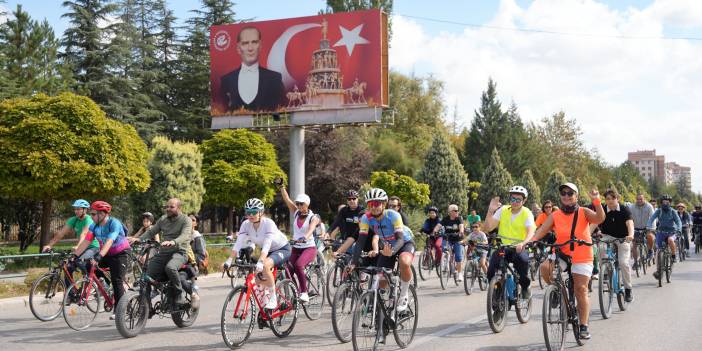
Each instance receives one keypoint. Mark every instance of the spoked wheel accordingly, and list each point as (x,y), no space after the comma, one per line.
(81,308)
(452,271)
(442,270)
(283,325)
(469,276)
(133,273)
(553,319)
(345,300)
(668,267)
(131,314)
(187,315)
(642,258)
(46,297)
(406,324)
(522,307)
(660,267)
(497,304)
(605,290)
(637,264)
(316,291)
(364,332)
(414,276)
(426,264)
(333,280)
(238,317)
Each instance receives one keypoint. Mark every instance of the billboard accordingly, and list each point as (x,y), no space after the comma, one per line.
(312,70)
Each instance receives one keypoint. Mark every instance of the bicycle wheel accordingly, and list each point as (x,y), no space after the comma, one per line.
(316,291)
(642,258)
(497,304)
(637,263)
(553,319)
(414,276)
(131,314)
(469,277)
(406,321)
(452,270)
(133,272)
(426,265)
(186,316)
(523,308)
(605,289)
(333,280)
(238,317)
(46,297)
(364,330)
(342,311)
(482,279)
(660,267)
(441,268)
(283,325)
(80,313)
(668,267)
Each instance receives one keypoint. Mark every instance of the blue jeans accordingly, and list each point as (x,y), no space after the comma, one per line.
(457,250)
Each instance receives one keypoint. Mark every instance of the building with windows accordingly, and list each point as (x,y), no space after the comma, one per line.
(677,174)
(649,165)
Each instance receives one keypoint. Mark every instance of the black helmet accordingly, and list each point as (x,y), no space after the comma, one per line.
(148,215)
(666,197)
(352,194)
(432,208)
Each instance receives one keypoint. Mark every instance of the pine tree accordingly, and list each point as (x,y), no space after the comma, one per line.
(445,175)
(527,181)
(496,181)
(550,190)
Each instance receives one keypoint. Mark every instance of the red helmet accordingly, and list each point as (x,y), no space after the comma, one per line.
(101,206)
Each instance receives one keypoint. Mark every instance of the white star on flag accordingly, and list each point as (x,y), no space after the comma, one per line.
(351,38)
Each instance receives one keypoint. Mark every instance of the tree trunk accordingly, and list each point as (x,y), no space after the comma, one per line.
(45,223)
(230,220)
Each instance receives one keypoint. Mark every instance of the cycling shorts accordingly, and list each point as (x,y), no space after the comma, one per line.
(281,255)
(662,237)
(389,261)
(576,268)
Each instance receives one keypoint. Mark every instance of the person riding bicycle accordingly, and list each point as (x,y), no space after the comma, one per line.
(619,224)
(641,211)
(477,237)
(686,221)
(434,239)
(696,222)
(176,232)
(346,223)
(515,224)
(304,251)
(455,233)
(275,249)
(561,222)
(668,224)
(386,225)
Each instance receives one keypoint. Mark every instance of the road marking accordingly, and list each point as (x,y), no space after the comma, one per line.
(447,331)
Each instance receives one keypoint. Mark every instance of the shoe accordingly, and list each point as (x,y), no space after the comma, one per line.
(272,302)
(304,297)
(459,277)
(584,333)
(656,275)
(627,295)
(526,294)
(404,302)
(595,277)
(112,317)
(195,301)
(180,299)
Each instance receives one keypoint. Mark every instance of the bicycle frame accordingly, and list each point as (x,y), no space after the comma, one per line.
(250,286)
(508,273)
(109,300)
(612,256)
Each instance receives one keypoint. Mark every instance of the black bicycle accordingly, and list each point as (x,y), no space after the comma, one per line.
(353,284)
(696,233)
(472,272)
(505,292)
(664,263)
(640,252)
(46,294)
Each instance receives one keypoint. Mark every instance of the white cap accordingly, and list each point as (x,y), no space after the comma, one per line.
(303,198)
(568,185)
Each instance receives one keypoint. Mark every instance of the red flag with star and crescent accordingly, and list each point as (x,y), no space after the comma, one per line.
(331,61)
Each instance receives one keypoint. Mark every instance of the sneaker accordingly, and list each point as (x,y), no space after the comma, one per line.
(404,302)
(584,333)
(526,294)
(627,295)
(595,277)
(304,297)
(459,277)
(272,302)
(112,317)
(656,275)
(195,301)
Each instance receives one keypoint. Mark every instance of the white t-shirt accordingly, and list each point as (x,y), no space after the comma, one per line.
(268,236)
(529,222)
(299,231)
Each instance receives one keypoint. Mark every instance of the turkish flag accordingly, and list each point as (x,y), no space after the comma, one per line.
(317,62)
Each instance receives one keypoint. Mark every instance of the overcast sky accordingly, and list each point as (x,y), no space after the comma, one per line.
(617,67)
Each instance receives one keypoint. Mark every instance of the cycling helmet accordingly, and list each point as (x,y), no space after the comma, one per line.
(666,197)
(101,206)
(352,193)
(517,189)
(80,203)
(254,204)
(148,215)
(433,208)
(376,194)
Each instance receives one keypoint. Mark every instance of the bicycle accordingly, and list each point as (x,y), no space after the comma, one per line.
(426,258)
(244,307)
(680,244)
(611,282)
(315,286)
(503,292)
(472,271)
(640,261)
(697,232)
(536,257)
(664,263)
(46,294)
(559,311)
(345,299)
(237,274)
(137,305)
(81,308)
(447,268)
(335,273)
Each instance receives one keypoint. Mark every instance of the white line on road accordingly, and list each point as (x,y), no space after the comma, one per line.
(447,331)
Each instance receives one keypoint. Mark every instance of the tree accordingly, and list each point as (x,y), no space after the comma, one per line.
(176,171)
(409,190)
(238,165)
(444,174)
(496,181)
(390,154)
(527,181)
(64,147)
(550,190)
(473,193)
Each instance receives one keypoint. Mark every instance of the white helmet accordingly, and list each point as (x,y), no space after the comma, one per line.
(518,189)
(254,204)
(376,194)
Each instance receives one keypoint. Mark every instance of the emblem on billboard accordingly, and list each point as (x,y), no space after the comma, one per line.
(222,40)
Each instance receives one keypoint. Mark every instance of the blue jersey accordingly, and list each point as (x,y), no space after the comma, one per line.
(389,227)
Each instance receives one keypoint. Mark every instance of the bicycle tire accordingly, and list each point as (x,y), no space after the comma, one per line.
(554,329)
(426,265)
(621,300)
(130,304)
(522,308)
(333,280)
(440,272)
(497,304)
(452,270)
(364,330)
(414,276)
(605,289)
(88,304)
(345,299)
(287,297)
(406,321)
(233,303)
(659,267)
(469,277)
(668,267)
(642,258)
(316,290)
(187,316)
(49,290)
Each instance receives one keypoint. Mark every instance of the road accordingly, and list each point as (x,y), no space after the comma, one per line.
(659,318)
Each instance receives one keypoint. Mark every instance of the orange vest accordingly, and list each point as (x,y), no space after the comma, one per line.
(562,224)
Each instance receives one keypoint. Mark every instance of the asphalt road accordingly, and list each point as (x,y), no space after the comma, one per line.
(659,318)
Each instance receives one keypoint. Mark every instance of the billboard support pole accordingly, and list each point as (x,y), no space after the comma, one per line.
(296,177)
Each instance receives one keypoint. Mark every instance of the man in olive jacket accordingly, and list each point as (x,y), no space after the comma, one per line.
(176,232)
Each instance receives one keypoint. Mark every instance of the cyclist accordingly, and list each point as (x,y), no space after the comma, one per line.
(433,240)
(561,222)
(686,221)
(696,221)
(346,221)
(177,230)
(641,211)
(473,217)
(619,224)
(515,224)
(476,236)
(668,224)
(147,221)
(305,250)
(394,203)
(455,233)
(387,225)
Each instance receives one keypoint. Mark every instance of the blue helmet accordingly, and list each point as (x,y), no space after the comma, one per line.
(81,204)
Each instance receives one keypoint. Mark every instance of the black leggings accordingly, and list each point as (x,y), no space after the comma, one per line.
(118,269)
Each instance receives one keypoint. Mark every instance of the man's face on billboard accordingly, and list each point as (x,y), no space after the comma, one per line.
(249,46)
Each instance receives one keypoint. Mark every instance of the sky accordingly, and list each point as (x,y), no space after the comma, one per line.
(629,71)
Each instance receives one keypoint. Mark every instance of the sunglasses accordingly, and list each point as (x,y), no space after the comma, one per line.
(352,199)
(299,203)
(251,212)
(567,193)
(374,203)
(454,210)
(545,207)
(393,206)
(515,200)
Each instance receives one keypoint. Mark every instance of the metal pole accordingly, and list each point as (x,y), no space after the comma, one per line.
(296,178)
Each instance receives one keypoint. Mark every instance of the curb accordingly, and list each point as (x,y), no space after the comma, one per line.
(14,302)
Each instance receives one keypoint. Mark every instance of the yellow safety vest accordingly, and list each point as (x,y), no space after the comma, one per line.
(515,231)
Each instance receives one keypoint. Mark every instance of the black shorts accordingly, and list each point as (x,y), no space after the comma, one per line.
(389,261)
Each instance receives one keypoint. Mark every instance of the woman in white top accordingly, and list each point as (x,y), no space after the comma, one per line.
(263,232)
(304,250)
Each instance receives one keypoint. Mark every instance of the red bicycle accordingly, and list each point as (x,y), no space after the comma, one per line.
(243,307)
(82,302)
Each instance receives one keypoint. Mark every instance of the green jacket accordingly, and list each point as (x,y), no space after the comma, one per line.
(178,229)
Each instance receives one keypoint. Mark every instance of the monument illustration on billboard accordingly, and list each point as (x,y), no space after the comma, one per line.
(326,69)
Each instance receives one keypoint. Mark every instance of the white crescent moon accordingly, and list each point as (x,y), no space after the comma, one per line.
(276,57)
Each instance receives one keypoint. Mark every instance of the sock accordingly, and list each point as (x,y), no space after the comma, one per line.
(403,288)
